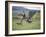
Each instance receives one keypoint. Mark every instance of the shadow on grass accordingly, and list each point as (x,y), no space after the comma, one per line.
(19,23)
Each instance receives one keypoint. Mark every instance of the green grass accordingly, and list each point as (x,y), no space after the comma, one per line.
(35,24)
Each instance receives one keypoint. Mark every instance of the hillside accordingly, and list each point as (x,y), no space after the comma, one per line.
(17,10)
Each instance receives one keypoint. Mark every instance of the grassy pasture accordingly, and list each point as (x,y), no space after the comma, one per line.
(35,24)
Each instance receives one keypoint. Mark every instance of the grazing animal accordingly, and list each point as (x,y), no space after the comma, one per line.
(23,17)
(29,20)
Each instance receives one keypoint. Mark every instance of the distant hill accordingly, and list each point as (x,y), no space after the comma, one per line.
(17,10)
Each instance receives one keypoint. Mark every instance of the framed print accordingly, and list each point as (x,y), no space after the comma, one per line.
(24,18)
